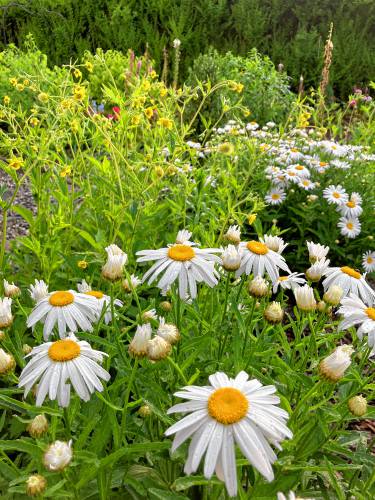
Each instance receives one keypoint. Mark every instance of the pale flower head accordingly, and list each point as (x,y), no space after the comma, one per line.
(6,317)
(305,299)
(316,251)
(38,291)
(368,261)
(158,348)
(317,270)
(84,287)
(231,258)
(128,286)
(258,287)
(116,260)
(7,362)
(38,426)
(139,343)
(168,331)
(233,234)
(35,485)
(274,313)
(58,456)
(11,290)
(334,366)
(183,236)
(274,243)
(333,295)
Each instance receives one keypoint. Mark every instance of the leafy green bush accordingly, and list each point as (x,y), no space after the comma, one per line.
(265,92)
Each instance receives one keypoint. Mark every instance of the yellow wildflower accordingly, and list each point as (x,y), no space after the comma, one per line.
(82,264)
(26,82)
(43,97)
(165,123)
(16,163)
(6,100)
(13,81)
(34,121)
(226,148)
(20,87)
(66,171)
(153,74)
(77,73)
(79,92)
(149,112)
(89,66)
(251,219)
(136,119)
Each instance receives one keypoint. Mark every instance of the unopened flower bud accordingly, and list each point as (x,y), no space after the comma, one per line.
(316,271)
(139,344)
(145,411)
(116,260)
(158,348)
(38,426)
(168,332)
(333,295)
(274,313)
(26,349)
(231,258)
(166,306)
(58,456)
(305,299)
(334,366)
(149,315)
(233,234)
(35,485)
(11,290)
(6,317)
(258,287)
(321,306)
(7,362)
(357,406)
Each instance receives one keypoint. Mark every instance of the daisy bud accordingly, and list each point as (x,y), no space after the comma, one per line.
(316,271)
(7,362)
(168,332)
(38,291)
(58,455)
(145,411)
(139,344)
(258,287)
(274,313)
(148,316)
(26,349)
(321,306)
(11,290)
(38,426)
(116,260)
(158,349)
(233,234)
(305,299)
(333,366)
(333,295)
(316,251)
(231,258)
(130,286)
(357,406)
(35,485)
(166,306)
(6,318)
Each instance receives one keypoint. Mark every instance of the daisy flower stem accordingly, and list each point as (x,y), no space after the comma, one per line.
(126,399)
(247,327)
(178,370)
(223,338)
(67,423)
(240,289)
(314,390)
(134,292)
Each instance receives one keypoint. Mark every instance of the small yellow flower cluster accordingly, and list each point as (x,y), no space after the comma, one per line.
(79,93)
(16,163)
(303,120)
(165,123)
(236,87)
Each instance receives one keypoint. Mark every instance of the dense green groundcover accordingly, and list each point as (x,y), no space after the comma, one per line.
(125,174)
(291,32)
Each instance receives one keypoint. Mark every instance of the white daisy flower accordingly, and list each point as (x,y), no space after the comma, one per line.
(288,282)
(305,298)
(225,413)
(139,343)
(168,331)
(104,301)
(350,280)
(6,316)
(69,310)
(58,456)
(349,226)
(342,165)
(57,365)
(357,313)
(335,195)
(38,291)
(185,262)
(258,259)
(231,258)
(368,261)
(274,243)
(334,366)
(307,185)
(183,237)
(275,196)
(316,271)
(292,176)
(300,170)
(132,285)
(350,209)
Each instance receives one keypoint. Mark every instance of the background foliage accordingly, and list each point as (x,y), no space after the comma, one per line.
(289,31)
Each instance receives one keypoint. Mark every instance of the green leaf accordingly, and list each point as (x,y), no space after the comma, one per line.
(23,446)
(165,495)
(184,483)
(25,213)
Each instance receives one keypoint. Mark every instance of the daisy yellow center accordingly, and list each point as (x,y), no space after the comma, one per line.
(336,195)
(294,150)
(369,260)
(95,293)
(300,167)
(350,225)
(291,174)
(283,278)
(64,350)
(322,164)
(181,252)
(275,196)
(60,299)
(306,183)
(351,272)
(370,311)
(227,405)
(257,247)
(350,204)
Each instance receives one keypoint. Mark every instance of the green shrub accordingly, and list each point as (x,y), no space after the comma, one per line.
(265,91)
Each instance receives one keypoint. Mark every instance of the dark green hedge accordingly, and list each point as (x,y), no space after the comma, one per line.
(289,31)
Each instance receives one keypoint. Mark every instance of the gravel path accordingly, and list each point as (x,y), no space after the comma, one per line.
(17,226)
